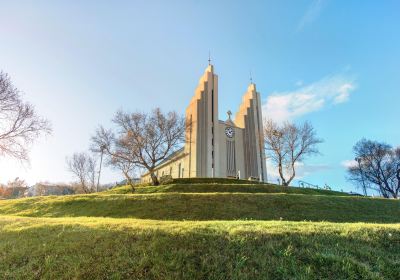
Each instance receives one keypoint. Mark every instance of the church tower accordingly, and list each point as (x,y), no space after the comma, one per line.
(202,128)
(249,117)
(231,148)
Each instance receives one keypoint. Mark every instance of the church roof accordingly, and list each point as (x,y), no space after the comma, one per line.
(171,156)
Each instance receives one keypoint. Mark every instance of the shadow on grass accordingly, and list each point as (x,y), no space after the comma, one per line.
(75,251)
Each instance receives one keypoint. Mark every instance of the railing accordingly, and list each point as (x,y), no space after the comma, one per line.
(303,184)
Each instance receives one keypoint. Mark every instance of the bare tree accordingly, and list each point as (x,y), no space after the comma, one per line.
(126,167)
(289,144)
(119,156)
(19,123)
(83,166)
(142,140)
(377,168)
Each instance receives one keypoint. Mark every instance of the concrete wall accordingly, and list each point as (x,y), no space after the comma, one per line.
(221,146)
(170,168)
(249,117)
(201,115)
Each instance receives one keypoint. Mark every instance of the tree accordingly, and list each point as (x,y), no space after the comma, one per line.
(126,167)
(83,166)
(377,168)
(119,156)
(14,189)
(289,144)
(19,123)
(141,140)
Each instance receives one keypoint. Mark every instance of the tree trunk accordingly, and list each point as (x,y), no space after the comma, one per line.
(398,181)
(281,173)
(129,181)
(131,184)
(154,179)
(293,175)
(83,186)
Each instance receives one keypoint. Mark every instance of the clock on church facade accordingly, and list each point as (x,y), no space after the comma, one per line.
(229,131)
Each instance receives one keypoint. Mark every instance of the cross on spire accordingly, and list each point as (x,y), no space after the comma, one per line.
(229,114)
(209,58)
(251,78)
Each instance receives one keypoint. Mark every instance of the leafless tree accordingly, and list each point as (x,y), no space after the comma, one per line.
(289,144)
(83,166)
(126,167)
(377,168)
(19,123)
(142,140)
(119,156)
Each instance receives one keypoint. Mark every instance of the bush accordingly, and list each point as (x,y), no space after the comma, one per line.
(166,179)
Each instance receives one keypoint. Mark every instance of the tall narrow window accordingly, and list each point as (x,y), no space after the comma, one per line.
(230,158)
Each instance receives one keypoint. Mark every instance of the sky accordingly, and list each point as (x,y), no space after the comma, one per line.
(332,63)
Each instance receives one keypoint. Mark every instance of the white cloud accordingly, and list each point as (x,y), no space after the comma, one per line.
(348,163)
(312,13)
(282,106)
(308,169)
(302,170)
(344,93)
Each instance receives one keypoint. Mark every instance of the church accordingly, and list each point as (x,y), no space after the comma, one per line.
(215,148)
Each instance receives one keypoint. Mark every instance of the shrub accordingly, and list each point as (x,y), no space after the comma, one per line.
(166,179)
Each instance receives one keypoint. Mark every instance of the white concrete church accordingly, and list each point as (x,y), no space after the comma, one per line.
(216,148)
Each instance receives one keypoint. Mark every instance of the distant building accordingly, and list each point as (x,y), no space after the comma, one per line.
(217,148)
(42,189)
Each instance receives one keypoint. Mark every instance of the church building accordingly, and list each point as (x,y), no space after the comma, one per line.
(214,148)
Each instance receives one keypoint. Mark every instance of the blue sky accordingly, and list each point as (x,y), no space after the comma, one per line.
(334,63)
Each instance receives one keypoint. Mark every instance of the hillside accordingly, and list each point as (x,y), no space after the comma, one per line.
(201,229)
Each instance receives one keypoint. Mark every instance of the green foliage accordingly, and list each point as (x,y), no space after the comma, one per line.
(216,230)
(166,179)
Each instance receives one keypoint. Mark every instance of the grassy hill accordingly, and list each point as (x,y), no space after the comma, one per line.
(201,229)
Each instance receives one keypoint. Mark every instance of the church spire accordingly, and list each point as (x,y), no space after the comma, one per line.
(252,84)
(210,67)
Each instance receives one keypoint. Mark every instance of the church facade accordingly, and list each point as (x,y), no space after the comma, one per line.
(216,148)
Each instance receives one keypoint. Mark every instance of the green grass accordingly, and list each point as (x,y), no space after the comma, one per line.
(221,187)
(205,230)
(210,206)
(106,248)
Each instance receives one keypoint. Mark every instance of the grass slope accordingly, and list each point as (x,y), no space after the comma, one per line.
(206,230)
(222,187)
(105,248)
(212,202)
